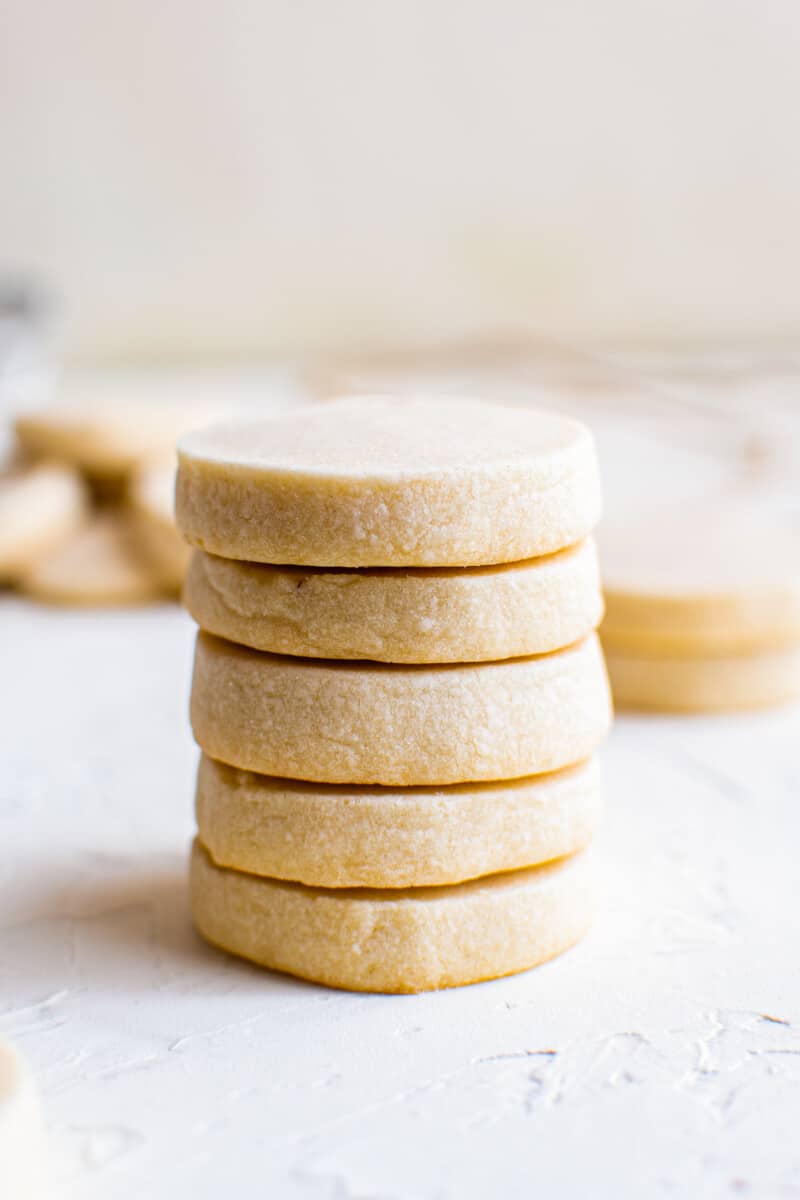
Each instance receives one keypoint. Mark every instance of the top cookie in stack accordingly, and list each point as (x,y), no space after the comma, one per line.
(378,482)
(442,548)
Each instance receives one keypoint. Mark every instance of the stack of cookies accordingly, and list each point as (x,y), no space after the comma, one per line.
(702,607)
(397,688)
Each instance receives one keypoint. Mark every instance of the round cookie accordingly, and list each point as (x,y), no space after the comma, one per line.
(380,481)
(22,1174)
(411,940)
(411,615)
(106,439)
(692,683)
(151,497)
(332,836)
(97,565)
(341,722)
(713,579)
(39,507)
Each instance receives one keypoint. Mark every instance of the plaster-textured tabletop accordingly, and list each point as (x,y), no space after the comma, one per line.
(659,1057)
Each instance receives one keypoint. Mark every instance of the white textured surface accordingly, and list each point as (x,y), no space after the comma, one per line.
(661,1056)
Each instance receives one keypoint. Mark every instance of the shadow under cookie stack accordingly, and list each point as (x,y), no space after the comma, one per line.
(397,689)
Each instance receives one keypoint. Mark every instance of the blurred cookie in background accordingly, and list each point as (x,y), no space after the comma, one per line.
(106,441)
(39,506)
(100,564)
(687,683)
(702,606)
(86,508)
(151,501)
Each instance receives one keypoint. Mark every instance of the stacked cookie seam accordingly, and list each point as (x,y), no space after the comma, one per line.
(397,709)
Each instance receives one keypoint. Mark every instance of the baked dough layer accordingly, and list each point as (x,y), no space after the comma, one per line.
(99,564)
(690,683)
(341,722)
(408,941)
(380,481)
(39,507)
(400,615)
(333,836)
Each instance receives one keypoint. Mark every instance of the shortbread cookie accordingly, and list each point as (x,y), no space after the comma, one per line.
(107,439)
(334,836)
(341,722)
(410,940)
(708,580)
(39,507)
(97,565)
(391,482)
(402,615)
(669,682)
(22,1169)
(151,495)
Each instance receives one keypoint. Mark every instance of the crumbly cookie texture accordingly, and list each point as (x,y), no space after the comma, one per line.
(98,564)
(337,722)
(721,580)
(403,941)
(334,836)
(690,683)
(39,507)
(380,481)
(403,615)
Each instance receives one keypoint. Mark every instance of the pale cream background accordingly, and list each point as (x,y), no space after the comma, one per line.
(200,177)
